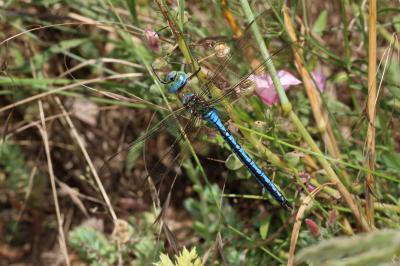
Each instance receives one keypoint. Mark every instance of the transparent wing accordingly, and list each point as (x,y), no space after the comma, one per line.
(158,152)
(167,125)
(228,63)
(245,86)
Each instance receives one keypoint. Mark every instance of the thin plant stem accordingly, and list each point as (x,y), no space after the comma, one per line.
(320,116)
(203,79)
(287,108)
(43,132)
(304,10)
(237,33)
(77,137)
(181,15)
(344,5)
(297,225)
(371,112)
(286,105)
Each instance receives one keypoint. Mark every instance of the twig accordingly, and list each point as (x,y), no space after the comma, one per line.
(237,33)
(88,160)
(371,112)
(70,86)
(43,132)
(297,224)
(288,111)
(320,115)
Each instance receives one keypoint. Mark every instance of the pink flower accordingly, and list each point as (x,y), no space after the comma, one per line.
(305,177)
(313,227)
(310,188)
(332,217)
(265,89)
(153,40)
(320,79)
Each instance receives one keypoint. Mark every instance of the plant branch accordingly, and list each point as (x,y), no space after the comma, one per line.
(287,108)
(320,116)
(371,112)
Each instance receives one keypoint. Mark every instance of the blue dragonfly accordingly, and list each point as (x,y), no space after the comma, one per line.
(201,106)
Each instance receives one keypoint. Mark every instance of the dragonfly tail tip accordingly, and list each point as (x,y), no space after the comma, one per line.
(286,206)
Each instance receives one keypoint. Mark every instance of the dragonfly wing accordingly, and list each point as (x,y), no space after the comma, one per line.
(168,123)
(223,63)
(245,86)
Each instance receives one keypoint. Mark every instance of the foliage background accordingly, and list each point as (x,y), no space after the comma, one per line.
(80,83)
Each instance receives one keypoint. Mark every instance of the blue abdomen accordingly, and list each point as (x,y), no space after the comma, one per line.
(213,118)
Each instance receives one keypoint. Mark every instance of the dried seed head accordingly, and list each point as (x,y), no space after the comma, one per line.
(122,232)
(221,50)
(246,87)
(153,40)
(260,124)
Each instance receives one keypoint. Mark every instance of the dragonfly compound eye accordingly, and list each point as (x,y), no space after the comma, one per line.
(179,80)
(171,76)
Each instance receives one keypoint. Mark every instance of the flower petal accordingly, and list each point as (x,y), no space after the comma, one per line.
(287,79)
(313,227)
(265,88)
(320,79)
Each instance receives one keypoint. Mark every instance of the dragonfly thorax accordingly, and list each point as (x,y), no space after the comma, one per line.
(196,105)
(176,80)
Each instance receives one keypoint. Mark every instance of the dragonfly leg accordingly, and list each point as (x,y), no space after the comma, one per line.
(207,90)
(194,74)
(155,73)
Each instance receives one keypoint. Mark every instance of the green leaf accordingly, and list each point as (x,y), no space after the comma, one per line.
(133,154)
(357,156)
(146,249)
(292,158)
(393,78)
(184,258)
(93,246)
(132,9)
(396,23)
(320,23)
(375,248)
(12,162)
(232,162)
(40,58)
(264,228)
(391,160)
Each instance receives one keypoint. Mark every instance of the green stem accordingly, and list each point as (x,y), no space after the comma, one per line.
(240,233)
(346,34)
(181,14)
(307,151)
(286,105)
(330,172)
(274,159)
(202,77)
(287,108)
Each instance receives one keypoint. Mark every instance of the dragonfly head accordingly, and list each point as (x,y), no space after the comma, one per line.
(176,80)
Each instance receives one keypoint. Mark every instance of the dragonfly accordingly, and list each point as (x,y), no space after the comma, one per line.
(201,106)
